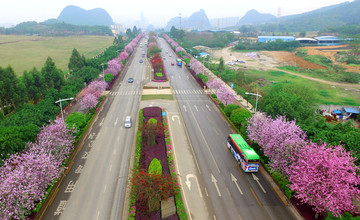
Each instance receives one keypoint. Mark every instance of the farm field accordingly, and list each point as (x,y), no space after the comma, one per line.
(25,52)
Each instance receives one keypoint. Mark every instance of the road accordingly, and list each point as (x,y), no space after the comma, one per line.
(95,185)
(229,192)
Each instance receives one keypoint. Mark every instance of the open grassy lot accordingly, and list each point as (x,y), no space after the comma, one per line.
(26,52)
(324,93)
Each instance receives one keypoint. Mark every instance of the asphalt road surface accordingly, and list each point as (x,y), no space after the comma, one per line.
(95,185)
(229,192)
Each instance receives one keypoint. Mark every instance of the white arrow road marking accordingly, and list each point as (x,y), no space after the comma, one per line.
(102,121)
(235,181)
(184,108)
(257,180)
(208,108)
(215,183)
(116,121)
(196,108)
(188,182)
(176,117)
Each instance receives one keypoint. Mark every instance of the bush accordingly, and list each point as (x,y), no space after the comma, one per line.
(159,74)
(155,167)
(202,77)
(108,78)
(213,96)
(229,108)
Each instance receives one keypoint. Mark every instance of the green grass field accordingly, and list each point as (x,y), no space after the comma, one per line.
(324,94)
(25,52)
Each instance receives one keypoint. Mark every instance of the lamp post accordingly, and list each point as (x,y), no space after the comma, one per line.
(103,69)
(257,95)
(60,100)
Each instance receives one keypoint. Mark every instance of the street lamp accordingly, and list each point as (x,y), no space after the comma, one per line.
(103,69)
(257,95)
(60,100)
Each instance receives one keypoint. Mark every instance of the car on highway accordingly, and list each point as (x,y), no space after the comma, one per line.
(127,123)
(141,61)
(170,55)
(130,80)
(172,63)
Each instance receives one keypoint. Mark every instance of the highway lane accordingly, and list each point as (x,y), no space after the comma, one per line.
(232,193)
(96,184)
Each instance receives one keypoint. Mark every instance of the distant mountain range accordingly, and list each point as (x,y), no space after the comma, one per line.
(254,17)
(197,20)
(75,15)
(345,13)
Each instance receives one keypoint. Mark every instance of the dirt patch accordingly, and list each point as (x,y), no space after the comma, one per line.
(330,52)
(271,59)
(286,58)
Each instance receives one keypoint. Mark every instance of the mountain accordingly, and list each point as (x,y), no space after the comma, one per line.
(346,13)
(198,20)
(254,17)
(75,15)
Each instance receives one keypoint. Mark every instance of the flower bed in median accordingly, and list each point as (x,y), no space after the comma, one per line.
(154,176)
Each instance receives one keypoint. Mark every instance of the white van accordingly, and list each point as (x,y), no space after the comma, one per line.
(128,122)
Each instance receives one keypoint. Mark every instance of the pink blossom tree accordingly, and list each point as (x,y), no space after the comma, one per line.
(225,95)
(280,139)
(128,48)
(25,176)
(113,67)
(24,179)
(214,84)
(55,139)
(96,87)
(325,177)
(88,101)
(196,66)
(123,55)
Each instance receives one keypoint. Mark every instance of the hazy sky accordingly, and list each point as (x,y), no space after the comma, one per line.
(157,12)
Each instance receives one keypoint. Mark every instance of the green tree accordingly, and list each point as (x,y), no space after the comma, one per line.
(129,33)
(52,75)
(155,167)
(35,85)
(77,120)
(239,116)
(289,99)
(10,92)
(221,65)
(229,108)
(86,74)
(108,77)
(76,61)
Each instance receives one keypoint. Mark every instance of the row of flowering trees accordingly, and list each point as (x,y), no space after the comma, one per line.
(177,48)
(25,176)
(95,89)
(321,175)
(225,94)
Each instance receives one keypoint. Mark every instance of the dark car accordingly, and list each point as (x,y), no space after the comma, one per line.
(141,61)
(172,63)
(130,80)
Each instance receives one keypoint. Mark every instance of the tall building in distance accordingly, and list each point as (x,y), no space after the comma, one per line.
(143,22)
(220,23)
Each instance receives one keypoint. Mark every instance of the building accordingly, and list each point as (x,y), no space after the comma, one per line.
(307,40)
(266,39)
(328,40)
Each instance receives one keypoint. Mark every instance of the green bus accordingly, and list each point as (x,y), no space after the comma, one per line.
(178,62)
(245,156)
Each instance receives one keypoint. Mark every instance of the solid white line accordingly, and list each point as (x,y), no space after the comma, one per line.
(98,215)
(105,188)
(110,167)
(116,121)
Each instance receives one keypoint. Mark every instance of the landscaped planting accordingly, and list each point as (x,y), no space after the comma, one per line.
(154,176)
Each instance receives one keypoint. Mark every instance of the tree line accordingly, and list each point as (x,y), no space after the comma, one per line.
(55,29)
(28,102)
